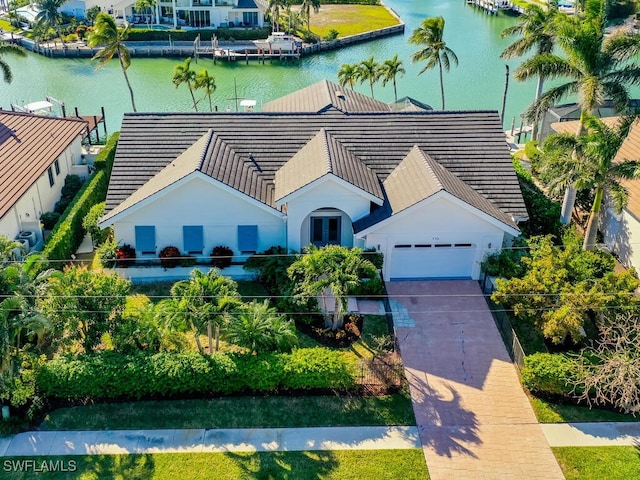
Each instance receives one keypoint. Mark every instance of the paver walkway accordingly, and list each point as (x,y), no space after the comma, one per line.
(209,440)
(475,421)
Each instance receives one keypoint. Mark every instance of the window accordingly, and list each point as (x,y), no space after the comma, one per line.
(248,238)
(51,180)
(193,236)
(463,245)
(422,245)
(56,165)
(403,245)
(146,239)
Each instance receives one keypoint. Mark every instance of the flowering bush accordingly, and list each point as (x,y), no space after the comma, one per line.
(170,257)
(125,255)
(221,256)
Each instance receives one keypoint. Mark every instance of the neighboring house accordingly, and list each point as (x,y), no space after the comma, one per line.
(188,13)
(36,154)
(326,96)
(621,232)
(433,191)
(570,112)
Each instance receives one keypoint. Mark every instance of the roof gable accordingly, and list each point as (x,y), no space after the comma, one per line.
(29,144)
(324,96)
(321,156)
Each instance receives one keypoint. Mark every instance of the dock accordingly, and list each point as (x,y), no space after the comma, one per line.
(492,7)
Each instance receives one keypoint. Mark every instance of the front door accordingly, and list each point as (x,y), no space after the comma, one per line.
(325,230)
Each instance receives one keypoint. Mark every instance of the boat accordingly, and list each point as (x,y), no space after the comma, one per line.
(278,42)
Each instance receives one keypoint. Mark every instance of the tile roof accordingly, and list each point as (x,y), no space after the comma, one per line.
(323,155)
(29,144)
(417,177)
(323,96)
(247,149)
(408,104)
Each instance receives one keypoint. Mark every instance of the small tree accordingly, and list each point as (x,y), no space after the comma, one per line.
(182,73)
(369,71)
(333,268)
(348,75)
(608,373)
(208,83)
(4,66)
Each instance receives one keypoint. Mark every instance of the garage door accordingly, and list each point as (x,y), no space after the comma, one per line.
(441,260)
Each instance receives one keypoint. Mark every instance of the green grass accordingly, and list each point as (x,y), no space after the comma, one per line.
(599,463)
(236,412)
(554,413)
(338,465)
(351,19)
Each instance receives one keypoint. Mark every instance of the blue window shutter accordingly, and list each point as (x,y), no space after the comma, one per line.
(146,239)
(248,238)
(193,236)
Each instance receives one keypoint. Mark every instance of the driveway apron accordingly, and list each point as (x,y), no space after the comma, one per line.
(474,419)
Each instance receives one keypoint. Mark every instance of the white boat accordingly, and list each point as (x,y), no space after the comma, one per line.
(278,42)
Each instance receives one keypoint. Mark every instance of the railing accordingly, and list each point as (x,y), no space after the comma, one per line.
(382,375)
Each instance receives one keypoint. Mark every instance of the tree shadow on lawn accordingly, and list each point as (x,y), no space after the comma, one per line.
(445,426)
(285,465)
(139,467)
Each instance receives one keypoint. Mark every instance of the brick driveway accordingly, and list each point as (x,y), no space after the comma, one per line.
(475,421)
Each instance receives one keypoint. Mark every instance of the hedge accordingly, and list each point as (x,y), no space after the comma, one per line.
(223,34)
(548,374)
(68,233)
(111,375)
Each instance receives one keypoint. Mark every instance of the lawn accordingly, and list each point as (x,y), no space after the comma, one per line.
(156,291)
(555,413)
(236,412)
(598,463)
(350,19)
(338,465)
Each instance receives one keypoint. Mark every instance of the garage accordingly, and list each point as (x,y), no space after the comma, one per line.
(431,260)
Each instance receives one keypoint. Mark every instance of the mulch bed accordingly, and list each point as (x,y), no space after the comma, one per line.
(342,338)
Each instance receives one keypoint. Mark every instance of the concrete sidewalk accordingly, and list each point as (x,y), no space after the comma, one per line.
(600,434)
(209,440)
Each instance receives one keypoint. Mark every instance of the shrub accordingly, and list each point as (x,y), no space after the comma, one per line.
(112,375)
(374,256)
(221,256)
(49,219)
(72,185)
(549,374)
(369,287)
(90,224)
(332,35)
(507,262)
(104,159)
(125,255)
(108,253)
(170,257)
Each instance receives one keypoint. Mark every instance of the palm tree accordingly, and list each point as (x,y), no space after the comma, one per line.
(596,151)
(305,8)
(273,10)
(596,67)
(435,52)
(536,30)
(145,6)
(334,268)
(208,83)
(204,301)
(260,328)
(368,70)
(7,75)
(182,73)
(348,75)
(390,69)
(108,35)
(49,14)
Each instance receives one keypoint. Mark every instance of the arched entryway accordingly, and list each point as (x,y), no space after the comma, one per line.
(327,226)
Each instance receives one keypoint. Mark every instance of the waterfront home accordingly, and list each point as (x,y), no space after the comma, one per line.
(433,191)
(187,13)
(36,154)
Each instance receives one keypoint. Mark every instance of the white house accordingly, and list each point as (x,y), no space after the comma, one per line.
(187,13)
(433,191)
(36,154)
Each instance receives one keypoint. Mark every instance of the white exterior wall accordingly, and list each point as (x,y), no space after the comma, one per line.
(202,202)
(325,193)
(438,221)
(622,236)
(41,197)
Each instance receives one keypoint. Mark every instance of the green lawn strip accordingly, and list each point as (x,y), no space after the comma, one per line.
(159,290)
(351,19)
(236,412)
(598,463)
(548,412)
(338,465)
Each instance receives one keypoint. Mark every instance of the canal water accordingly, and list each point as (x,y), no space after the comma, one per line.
(476,84)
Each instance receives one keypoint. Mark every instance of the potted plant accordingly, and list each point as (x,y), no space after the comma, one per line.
(221,256)
(170,257)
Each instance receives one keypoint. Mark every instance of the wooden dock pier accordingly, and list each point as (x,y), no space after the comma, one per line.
(492,7)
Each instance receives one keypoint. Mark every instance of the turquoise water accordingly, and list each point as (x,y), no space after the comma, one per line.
(477,83)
